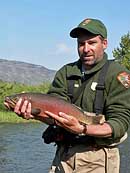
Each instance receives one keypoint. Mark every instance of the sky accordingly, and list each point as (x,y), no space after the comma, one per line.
(37,31)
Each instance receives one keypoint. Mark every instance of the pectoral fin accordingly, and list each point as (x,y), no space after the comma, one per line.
(35,111)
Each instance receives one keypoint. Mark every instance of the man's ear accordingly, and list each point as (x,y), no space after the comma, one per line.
(105,44)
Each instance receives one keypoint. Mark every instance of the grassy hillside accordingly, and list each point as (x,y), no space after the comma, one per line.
(24,73)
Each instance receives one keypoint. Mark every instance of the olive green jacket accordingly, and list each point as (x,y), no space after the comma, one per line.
(116,95)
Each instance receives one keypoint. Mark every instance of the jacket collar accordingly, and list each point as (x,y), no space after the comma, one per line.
(76,70)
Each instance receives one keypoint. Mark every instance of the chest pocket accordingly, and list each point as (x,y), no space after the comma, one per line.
(99,97)
(76,89)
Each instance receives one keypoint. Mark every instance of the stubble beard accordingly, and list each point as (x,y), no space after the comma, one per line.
(88,62)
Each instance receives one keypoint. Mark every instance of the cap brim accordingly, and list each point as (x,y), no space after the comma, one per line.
(76,31)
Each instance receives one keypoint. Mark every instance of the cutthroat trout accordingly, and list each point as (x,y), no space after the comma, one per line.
(45,102)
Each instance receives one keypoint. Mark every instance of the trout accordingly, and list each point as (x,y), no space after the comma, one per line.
(45,102)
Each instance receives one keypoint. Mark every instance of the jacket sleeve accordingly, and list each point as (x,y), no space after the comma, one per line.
(59,84)
(118,102)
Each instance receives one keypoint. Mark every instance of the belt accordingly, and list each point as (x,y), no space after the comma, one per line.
(91,147)
(88,142)
(78,140)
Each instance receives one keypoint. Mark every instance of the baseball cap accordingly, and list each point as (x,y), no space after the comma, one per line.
(93,26)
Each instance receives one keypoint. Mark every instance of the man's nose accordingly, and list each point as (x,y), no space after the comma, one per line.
(86,47)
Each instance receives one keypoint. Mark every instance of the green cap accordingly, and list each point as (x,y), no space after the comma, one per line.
(93,26)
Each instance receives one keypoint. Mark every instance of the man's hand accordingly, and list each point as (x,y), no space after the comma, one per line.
(68,122)
(23,109)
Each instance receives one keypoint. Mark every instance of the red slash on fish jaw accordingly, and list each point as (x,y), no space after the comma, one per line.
(6,104)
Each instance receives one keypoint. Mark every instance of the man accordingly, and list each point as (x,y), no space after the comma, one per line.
(100,153)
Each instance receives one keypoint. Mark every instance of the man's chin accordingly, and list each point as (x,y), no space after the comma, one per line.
(88,64)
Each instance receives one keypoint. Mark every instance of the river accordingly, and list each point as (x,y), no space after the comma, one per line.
(22,149)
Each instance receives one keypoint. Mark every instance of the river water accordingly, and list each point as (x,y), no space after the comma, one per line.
(22,149)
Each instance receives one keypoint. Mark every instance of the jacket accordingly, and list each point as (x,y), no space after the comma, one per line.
(116,94)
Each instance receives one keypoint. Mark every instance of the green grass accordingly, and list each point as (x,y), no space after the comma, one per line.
(11,117)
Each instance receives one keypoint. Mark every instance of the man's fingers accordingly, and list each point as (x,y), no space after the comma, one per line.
(23,108)
(18,106)
(66,116)
(50,114)
(28,111)
(29,108)
(58,118)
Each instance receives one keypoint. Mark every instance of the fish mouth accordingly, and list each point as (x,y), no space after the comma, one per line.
(6,105)
(9,103)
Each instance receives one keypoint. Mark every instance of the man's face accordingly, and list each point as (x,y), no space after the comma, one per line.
(91,49)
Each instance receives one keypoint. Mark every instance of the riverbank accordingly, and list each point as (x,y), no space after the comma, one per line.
(11,117)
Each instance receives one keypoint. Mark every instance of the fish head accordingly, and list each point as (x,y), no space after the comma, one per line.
(10,101)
